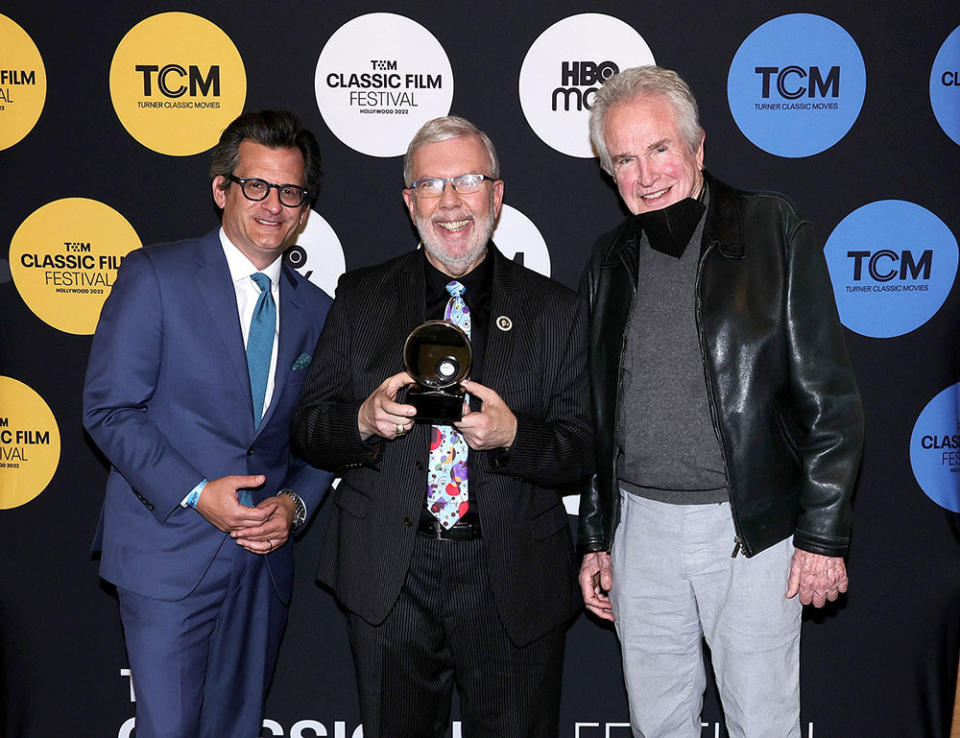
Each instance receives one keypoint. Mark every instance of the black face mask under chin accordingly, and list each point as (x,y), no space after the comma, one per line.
(669,229)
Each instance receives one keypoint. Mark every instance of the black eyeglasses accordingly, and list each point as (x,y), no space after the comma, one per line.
(464,184)
(256,189)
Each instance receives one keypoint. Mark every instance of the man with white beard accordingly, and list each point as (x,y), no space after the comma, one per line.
(448,544)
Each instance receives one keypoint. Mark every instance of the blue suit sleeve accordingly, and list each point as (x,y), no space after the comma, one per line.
(125,362)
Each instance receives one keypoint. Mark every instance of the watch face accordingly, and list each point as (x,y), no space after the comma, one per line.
(299,508)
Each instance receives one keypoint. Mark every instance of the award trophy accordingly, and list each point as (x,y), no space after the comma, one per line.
(437,354)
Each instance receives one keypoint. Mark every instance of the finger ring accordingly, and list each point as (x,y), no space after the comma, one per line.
(400,429)
(270,541)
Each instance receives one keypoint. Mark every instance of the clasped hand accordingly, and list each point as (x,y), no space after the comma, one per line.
(259,529)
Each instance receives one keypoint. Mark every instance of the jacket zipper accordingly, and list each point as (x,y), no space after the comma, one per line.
(739,544)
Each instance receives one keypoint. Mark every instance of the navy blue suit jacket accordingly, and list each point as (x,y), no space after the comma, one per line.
(167,399)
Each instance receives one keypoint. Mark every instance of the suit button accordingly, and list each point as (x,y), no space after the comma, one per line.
(250,451)
(408,521)
(149,506)
(419,465)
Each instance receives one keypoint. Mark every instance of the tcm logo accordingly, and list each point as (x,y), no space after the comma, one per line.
(173,80)
(884,265)
(794,82)
(579,74)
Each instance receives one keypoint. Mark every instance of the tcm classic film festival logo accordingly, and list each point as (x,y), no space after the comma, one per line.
(945,86)
(176,81)
(23,83)
(29,444)
(563,70)
(892,264)
(796,85)
(935,449)
(379,78)
(64,259)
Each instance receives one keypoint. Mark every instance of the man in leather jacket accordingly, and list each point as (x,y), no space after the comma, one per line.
(728,424)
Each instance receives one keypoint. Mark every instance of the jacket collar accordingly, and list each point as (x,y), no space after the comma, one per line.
(721,230)
(723,227)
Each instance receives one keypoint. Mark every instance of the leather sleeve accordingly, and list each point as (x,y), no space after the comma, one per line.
(591,522)
(825,400)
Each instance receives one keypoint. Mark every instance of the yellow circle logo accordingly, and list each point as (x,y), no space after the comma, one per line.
(64,259)
(29,444)
(23,83)
(176,81)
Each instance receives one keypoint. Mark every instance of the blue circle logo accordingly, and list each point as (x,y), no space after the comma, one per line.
(892,264)
(796,85)
(935,449)
(945,86)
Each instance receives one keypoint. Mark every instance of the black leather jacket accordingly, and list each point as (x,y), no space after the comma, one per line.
(782,394)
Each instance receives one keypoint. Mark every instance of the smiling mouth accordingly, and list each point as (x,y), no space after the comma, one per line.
(452,226)
(261,221)
(655,195)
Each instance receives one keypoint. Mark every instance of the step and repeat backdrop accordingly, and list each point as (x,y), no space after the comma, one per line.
(107,114)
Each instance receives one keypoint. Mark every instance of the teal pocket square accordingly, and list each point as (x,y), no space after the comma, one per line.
(302,362)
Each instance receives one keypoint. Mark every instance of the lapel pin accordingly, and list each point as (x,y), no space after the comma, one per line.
(504,323)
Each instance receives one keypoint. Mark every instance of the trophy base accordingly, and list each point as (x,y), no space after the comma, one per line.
(436,406)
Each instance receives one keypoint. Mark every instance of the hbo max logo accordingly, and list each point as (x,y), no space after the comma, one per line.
(580,74)
(564,68)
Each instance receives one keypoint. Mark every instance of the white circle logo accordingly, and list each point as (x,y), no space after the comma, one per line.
(379,78)
(563,70)
(317,254)
(519,239)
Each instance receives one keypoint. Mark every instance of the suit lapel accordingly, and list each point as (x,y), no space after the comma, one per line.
(506,302)
(216,290)
(411,287)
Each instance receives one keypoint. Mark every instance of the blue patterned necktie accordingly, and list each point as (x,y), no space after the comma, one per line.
(447,495)
(263,326)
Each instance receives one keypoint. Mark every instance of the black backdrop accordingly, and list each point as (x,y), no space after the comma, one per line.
(881,663)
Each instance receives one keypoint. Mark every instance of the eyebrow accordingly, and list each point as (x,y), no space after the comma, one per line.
(663,142)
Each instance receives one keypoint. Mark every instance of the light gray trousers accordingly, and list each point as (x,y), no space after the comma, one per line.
(674,584)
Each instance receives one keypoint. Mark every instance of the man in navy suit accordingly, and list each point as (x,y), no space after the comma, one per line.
(196,366)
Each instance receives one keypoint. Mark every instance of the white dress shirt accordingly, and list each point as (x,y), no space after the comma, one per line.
(247,293)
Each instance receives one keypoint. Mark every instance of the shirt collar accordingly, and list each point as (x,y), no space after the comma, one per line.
(241,267)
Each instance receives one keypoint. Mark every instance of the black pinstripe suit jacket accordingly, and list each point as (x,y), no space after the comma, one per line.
(538,367)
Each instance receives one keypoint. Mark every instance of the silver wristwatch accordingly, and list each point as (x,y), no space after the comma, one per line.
(300,510)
